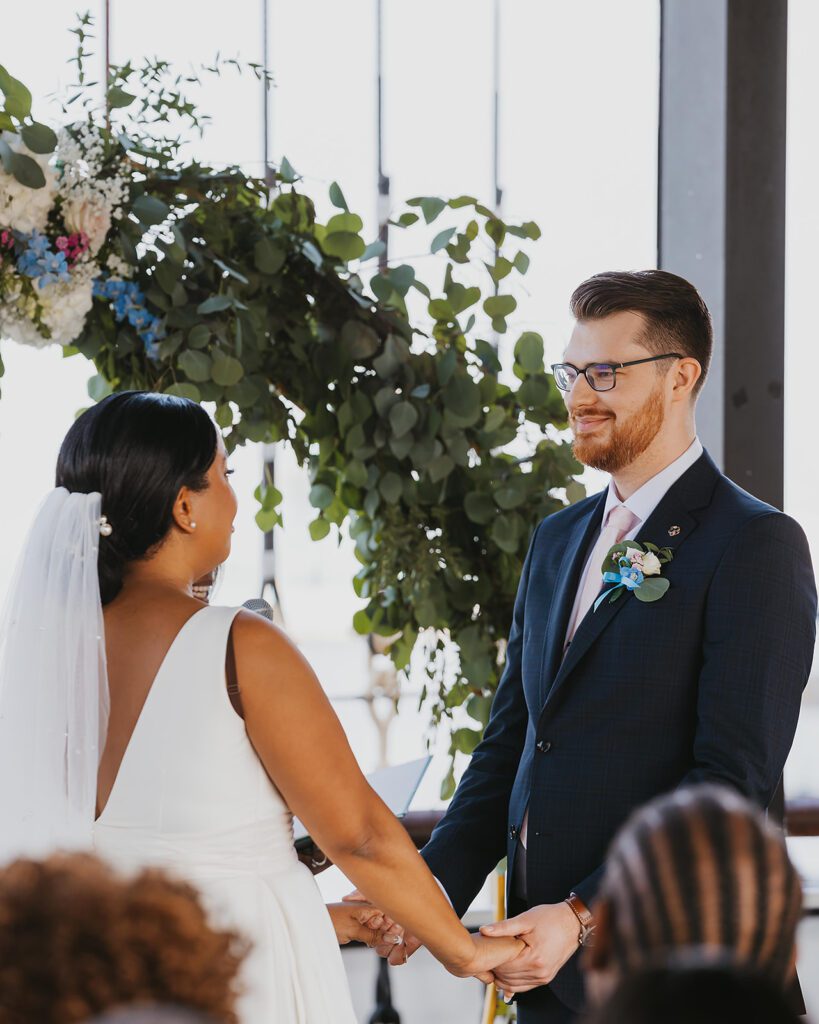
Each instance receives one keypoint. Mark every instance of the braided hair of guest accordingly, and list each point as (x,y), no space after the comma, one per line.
(701,868)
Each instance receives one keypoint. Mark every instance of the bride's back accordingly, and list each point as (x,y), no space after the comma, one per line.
(187,766)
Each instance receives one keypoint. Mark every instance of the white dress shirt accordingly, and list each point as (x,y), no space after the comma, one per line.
(641,504)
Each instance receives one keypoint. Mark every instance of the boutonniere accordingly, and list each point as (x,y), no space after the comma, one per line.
(635,566)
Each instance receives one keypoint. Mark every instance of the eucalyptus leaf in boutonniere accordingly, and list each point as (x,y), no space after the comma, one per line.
(631,565)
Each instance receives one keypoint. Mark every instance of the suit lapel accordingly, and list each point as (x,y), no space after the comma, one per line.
(568,576)
(669,525)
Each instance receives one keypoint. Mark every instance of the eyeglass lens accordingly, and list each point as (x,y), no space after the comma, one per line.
(601,377)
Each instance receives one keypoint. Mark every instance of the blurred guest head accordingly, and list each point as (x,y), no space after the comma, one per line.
(77,940)
(700,869)
(691,994)
(154,1014)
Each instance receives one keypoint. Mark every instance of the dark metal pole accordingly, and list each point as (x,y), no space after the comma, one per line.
(722,216)
(383,202)
(268,171)
(106,77)
(269,588)
(496,113)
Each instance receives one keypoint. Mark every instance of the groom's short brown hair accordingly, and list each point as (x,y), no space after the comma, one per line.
(677,319)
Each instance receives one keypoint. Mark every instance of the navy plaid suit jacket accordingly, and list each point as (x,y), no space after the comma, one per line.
(703,685)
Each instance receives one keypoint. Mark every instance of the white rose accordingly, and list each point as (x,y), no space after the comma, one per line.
(634,555)
(651,564)
(22,208)
(89,215)
(65,307)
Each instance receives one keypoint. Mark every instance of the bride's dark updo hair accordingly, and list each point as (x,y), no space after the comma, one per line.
(138,449)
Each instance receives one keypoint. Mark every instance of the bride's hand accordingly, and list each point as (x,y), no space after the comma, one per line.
(489,954)
(362,922)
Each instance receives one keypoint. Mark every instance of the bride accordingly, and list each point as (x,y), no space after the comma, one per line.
(117,730)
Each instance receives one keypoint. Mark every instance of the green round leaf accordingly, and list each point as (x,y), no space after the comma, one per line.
(18,97)
(189,391)
(500,305)
(479,507)
(390,487)
(150,210)
(440,468)
(529,352)
(652,589)
(462,395)
(504,533)
(27,171)
(360,340)
(337,196)
(98,388)
(226,371)
(534,392)
(362,623)
(403,417)
(118,97)
(39,138)
(321,496)
(510,497)
(197,365)
(343,244)
(346,223)
(268,257)
(215,304)
(319,528)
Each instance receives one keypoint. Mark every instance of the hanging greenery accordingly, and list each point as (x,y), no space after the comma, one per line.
(227,290)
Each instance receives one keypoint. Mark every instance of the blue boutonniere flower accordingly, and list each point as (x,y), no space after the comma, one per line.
(634,566)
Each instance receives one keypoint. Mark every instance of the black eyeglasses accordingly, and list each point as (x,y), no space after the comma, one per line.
(600,376)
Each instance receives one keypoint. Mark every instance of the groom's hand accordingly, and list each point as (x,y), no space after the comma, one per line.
(550,932)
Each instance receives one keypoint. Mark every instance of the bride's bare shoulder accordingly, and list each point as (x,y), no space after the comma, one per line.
(260,645)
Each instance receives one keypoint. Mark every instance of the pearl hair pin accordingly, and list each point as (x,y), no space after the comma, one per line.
(105,527)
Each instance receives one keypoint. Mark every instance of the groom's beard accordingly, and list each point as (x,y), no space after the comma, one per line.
(624,442)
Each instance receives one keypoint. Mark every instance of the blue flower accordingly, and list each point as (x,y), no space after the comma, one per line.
(139,317)
(630,577)
(47,267)
(38,244)
(128,303)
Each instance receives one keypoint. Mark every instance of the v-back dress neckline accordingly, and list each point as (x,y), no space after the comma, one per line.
(145,705)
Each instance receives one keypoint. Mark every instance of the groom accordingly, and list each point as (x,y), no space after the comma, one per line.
(600,710)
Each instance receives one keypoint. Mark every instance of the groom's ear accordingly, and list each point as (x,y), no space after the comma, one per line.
(686,374)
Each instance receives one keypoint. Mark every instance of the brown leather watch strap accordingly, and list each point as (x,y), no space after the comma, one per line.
(584,917)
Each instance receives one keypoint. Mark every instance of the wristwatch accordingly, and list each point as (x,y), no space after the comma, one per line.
(584,917)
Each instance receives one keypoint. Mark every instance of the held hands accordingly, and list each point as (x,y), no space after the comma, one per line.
(362,922)
(550,933)
(488,952)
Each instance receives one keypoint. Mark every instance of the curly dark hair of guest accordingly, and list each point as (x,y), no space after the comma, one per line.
(77,939)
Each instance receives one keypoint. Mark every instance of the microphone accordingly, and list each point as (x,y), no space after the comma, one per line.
(260,607)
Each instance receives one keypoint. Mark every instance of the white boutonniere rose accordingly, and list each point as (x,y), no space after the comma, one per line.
(651,564)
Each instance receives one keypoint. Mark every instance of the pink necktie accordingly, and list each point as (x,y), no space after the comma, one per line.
(619,522)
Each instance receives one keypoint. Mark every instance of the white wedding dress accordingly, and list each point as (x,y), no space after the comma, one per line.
(192,797)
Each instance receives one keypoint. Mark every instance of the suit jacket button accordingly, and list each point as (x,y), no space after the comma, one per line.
(544,746)
(513,832)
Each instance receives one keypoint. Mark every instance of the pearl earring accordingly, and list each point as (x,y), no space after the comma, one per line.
(193,526)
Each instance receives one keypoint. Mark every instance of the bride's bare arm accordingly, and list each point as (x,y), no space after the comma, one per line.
(299,739)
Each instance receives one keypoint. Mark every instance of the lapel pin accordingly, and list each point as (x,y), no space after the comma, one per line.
(673,531)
